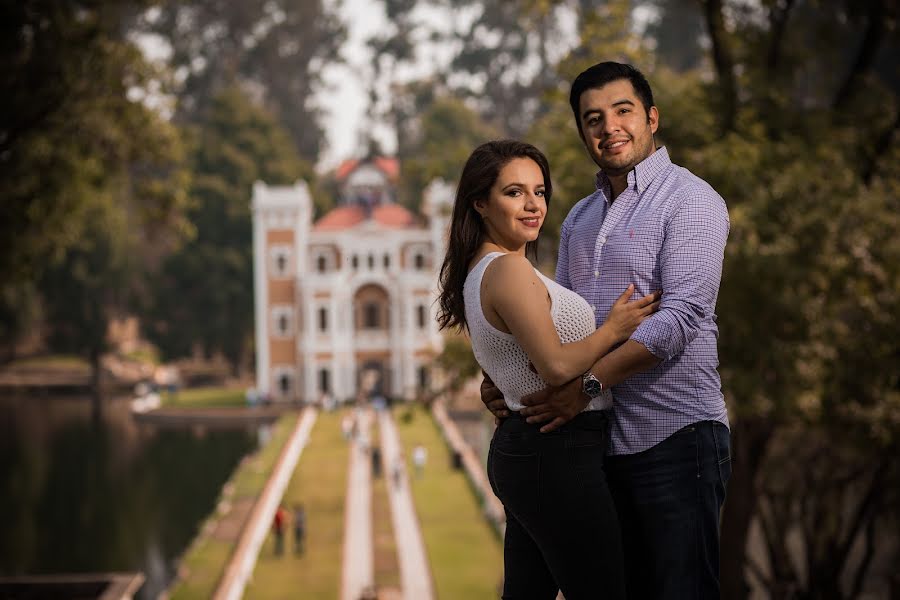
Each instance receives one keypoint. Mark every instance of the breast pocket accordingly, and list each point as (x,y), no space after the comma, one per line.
(632,255)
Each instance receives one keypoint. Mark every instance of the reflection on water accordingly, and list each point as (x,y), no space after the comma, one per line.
(76,496)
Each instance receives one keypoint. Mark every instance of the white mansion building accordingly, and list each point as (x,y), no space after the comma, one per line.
(345,306)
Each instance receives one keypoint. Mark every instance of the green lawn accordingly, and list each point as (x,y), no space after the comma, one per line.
(205,397)
(320,483)
(466,555)
(205,560)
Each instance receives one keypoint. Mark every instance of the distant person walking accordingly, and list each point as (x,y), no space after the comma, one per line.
(278,527)
(376,462)
(299,528)
(348,427)
(420,457)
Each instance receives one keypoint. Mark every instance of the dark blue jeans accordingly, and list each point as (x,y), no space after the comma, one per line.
(668,499)
(561,526)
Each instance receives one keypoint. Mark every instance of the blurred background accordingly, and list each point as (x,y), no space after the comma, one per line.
(131,133)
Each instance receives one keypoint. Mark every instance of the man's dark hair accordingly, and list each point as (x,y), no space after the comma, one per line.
(606,72)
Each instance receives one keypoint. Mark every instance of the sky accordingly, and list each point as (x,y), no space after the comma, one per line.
(343,99)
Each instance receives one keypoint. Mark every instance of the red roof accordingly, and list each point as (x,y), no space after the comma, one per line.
(341,217)
(388,166)
(386,215)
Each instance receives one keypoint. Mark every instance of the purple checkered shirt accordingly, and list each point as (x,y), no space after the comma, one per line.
(666,231)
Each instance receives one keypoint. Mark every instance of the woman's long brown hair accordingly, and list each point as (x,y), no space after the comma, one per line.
(466,228)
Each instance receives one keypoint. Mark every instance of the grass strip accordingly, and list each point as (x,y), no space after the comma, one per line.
(319,483)
(205,397)
(203,563)
(466,555)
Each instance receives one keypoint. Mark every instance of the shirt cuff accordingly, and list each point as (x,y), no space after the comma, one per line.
(657,336)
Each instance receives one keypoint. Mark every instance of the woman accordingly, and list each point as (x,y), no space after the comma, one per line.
(527,332)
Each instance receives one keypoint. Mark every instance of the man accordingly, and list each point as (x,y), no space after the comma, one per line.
(656,225)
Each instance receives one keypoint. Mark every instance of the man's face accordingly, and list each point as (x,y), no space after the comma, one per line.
(615,128)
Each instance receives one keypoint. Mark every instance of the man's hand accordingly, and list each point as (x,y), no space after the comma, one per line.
(493,399)
(558,405)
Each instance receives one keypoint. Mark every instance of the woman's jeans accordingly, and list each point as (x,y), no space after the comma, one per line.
(561,527)
(668,500)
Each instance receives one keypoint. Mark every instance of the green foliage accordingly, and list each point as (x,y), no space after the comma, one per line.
(203,295)
(84,169)
(278,46)
(457,361)
(88,285)
(441,137)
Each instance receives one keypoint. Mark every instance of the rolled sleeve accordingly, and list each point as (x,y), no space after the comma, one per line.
(690,271)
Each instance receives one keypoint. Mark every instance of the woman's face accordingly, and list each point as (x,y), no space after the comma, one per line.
(514,211)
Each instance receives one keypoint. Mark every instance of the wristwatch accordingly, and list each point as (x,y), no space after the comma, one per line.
(591,386)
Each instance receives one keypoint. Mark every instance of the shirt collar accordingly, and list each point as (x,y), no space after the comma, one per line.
(642,174)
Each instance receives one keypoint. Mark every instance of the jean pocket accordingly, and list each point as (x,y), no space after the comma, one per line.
(516,475)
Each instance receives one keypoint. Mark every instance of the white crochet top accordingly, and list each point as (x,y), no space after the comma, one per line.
(501,356)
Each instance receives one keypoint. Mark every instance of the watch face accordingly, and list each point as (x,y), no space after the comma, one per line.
(592,388)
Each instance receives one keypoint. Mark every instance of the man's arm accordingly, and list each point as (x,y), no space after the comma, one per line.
(690,271)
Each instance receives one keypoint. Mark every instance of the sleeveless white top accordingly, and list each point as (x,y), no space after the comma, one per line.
(501,356)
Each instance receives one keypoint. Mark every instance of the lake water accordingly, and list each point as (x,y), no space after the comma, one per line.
(79,496)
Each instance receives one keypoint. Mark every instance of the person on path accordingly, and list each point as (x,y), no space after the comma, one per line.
(278,526)
(653,225)
(420,457)
(299,528)
(561,527)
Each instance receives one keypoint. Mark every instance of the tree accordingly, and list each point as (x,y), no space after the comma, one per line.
(277,46)
(86,287)
(69,132)
(439,133)
(457,363)
(203,294)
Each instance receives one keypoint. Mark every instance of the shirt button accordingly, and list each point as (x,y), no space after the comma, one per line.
(602,239)
(593,307)
(596,274)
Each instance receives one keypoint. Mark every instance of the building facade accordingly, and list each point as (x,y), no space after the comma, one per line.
(344,306)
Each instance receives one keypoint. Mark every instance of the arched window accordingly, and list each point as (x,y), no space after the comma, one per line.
(371,261)
(354,262)
(387,261)
(419,262)
(322,264)
(324,381)
(323,319)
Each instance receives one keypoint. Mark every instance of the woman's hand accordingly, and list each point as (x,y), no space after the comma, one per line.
(625,316)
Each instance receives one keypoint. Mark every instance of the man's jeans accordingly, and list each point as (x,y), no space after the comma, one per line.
(561,526)
(668,500)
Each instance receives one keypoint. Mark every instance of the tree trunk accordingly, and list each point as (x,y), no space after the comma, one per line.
(778,19)
(723,61)
(875,30)
(96,386)
(749,439)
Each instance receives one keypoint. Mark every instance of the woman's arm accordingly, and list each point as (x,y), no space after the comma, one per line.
(516,301)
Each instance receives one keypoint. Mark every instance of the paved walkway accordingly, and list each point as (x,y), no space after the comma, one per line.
(240,566)
(415,572)
(358,568)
